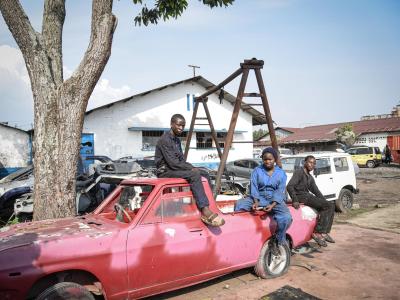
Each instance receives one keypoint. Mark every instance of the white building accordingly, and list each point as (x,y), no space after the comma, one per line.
(132,126)
(15,149)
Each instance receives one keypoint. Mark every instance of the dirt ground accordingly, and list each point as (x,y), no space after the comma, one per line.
(378,186)
(364,263)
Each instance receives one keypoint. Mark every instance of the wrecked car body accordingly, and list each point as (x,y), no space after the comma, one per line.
(129,243)
(12,187)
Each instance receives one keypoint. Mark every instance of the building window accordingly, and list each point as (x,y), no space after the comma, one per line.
(151,137)
(204,140)
(221,136)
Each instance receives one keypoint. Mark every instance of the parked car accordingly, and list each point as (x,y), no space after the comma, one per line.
(17,188)
(98,159)
(12,187)
(242,167)
(334,175)
(144,162)
(140,242)
(367,156)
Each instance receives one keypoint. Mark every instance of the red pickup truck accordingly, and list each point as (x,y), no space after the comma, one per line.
(146,238)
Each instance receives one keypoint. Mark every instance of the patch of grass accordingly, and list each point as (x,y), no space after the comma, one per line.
(343,217)
(11,221)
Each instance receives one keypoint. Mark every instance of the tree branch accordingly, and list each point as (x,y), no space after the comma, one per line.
(99,48)
(53,22)
(19,25)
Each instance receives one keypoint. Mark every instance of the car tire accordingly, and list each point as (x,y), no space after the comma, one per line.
(370,164)
(270,266)
(345,201)
(66,290)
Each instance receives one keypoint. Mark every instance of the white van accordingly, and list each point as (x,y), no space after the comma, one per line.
(334,175)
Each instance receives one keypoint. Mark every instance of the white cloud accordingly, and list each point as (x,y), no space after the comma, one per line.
(11,61)
(67,72)
(104,93)
(16,96)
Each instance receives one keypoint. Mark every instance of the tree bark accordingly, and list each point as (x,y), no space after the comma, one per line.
(59,106)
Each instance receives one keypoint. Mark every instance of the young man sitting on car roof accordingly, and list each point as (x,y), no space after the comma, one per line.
(302,188)
(170,163)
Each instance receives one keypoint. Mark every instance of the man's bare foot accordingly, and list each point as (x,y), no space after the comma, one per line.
(210,218)
(206,211)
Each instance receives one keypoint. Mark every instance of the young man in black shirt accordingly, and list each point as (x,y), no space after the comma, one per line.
(170,163)
(302,188)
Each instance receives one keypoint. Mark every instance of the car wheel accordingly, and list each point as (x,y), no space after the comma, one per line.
(66,290)
(271,266)
(370,164)
(345,201)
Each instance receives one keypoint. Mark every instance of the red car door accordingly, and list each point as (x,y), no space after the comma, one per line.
(170,243)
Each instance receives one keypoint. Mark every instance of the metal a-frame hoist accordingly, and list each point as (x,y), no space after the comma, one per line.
(245,67)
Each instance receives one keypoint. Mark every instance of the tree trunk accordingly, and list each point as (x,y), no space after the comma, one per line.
(59,106)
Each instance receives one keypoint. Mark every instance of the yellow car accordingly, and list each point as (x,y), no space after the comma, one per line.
(366,156)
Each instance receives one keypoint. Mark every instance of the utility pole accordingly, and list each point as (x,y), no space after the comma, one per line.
(194,69)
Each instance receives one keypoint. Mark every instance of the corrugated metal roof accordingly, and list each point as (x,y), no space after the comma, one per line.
(326,133)
(258,117)
(12,127)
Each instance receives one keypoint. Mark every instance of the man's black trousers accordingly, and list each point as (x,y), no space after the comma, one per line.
(194,179)
(325,209)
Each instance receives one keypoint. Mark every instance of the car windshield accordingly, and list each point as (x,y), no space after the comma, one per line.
(290,164)
(131,197)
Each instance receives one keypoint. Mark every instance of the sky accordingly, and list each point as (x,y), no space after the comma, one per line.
(325,61)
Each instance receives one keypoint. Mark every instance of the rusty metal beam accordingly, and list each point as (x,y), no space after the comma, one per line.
(252,64)
(222,84)
(213,133)
(190,133)
(267,112)
(251,95)
(229,136)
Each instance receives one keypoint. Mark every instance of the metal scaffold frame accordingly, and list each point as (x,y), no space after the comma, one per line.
(245,67)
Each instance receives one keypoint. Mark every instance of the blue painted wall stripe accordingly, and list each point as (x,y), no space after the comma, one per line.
(188,102)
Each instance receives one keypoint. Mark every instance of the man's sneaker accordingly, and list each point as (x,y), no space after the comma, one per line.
(328,238)
(319,239)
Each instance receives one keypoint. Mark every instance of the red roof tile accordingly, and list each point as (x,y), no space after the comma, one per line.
(327,132)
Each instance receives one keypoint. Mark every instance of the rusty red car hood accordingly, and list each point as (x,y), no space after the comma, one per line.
(46,231)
